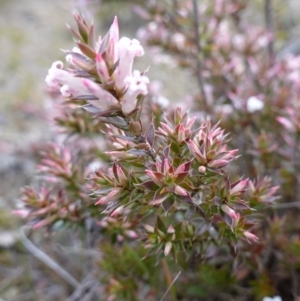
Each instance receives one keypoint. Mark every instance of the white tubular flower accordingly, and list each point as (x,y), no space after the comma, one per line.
(254,104)
(128,50)
(111,53)
(65,91)
(68,84)
(137,84)
(53,77)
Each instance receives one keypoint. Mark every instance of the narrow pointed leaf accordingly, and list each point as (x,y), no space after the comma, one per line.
(87,50)
(160,224)
(150,134)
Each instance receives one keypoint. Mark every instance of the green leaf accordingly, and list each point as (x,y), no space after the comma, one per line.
(160,224)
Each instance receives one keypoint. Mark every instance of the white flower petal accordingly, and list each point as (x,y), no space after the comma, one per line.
(254,104)
(128,50)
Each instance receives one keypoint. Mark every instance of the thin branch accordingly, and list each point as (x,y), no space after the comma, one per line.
(270,28)
(47,260)
(295,285)
(199,64)
(286,205)
(86,292)
(170,286)
(169,278)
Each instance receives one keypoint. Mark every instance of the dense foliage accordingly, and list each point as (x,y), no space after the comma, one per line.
(178,196)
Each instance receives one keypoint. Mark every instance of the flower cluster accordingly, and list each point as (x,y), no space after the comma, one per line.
(101,71)
(45,208)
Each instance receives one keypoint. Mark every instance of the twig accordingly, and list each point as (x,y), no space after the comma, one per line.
(86,292)
(171,284)
(287,205)
(270,28)
(295,284)
(47,260)
(296,157)
(169,279)
(199,64)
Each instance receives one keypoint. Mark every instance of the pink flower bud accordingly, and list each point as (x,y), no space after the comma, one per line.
(112,196)
(286,123)
(235,221)
(217,163)
(23,213)
(196,152)
(250,236)
(131,234)
(102,224)
(168,248)
(149,228)
(202,169)
(180,191)
(118,211)
(171,229)
(230,155)
(157,177)
(229,211)
(122,177)
(112,48)
(238,187)
(165,129)
(42,223)
(114,30)
(101,68)
(165,166)
(181,133)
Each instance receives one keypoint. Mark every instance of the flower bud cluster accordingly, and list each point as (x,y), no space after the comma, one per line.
(57,162)
(46,207)
(209,148)
(177,128)
(167,179)
(261,191)
(112,186)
